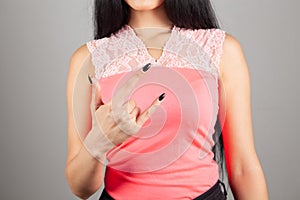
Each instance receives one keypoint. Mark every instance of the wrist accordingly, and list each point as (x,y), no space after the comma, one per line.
(97,144)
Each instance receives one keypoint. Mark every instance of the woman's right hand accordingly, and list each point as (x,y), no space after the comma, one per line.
(117,119)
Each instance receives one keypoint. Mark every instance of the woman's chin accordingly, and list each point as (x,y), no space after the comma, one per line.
(144,5)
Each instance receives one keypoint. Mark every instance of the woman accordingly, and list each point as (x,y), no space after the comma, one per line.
(116,125)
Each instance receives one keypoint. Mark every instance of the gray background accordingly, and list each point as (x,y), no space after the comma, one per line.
(37,41)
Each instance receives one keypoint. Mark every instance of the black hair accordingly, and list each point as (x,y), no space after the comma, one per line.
(111,15)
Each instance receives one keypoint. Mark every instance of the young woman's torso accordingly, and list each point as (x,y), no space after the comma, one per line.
(171,157)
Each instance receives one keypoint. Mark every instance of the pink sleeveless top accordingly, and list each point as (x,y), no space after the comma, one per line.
(170,157)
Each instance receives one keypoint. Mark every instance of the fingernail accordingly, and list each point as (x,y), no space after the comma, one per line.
(146,67)
(90,79)
(162,96)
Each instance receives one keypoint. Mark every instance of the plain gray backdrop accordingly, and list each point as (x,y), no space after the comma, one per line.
(37,41)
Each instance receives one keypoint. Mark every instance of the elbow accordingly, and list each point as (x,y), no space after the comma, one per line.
(247,167)
(246,171)
(78,188)
(248,183)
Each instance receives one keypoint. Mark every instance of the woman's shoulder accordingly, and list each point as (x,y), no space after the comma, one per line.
(80,54)
(206,32)
(92,45)
(95,44)
(77,59)
(209,38)
(232,53)
(219,44)
(231,42)
(231,46)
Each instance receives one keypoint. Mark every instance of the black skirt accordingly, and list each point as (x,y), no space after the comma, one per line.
(216,192)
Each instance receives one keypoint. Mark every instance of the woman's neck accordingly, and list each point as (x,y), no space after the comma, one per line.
(149,18)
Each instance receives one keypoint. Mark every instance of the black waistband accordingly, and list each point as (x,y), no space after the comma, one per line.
(211,190)
(214,188)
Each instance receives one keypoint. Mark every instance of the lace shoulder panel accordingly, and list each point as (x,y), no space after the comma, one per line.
(98,54)
(107,51)
(91,45)
(212,42)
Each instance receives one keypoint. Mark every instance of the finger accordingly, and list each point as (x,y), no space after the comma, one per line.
(98,96)
(96,92)
(135,112)
(130,105)
(92,104)
(142,118)
(128,86)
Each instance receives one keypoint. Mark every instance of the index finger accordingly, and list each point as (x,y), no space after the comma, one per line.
(127,87)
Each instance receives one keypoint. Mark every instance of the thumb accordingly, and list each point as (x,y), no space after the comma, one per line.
(96,90)
(98,96)
(142,118)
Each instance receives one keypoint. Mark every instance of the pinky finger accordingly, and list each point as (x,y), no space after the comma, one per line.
(92,104)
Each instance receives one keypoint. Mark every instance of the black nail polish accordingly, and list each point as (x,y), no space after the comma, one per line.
(146,67)
(90,79)
(162,96)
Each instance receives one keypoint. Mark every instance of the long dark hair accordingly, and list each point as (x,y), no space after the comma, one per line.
(111,15)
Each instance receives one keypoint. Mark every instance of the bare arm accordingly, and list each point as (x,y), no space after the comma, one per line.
(100,129)
(84,173)
(245,173)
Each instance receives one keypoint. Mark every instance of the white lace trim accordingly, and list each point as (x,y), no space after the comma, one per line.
(123,51)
